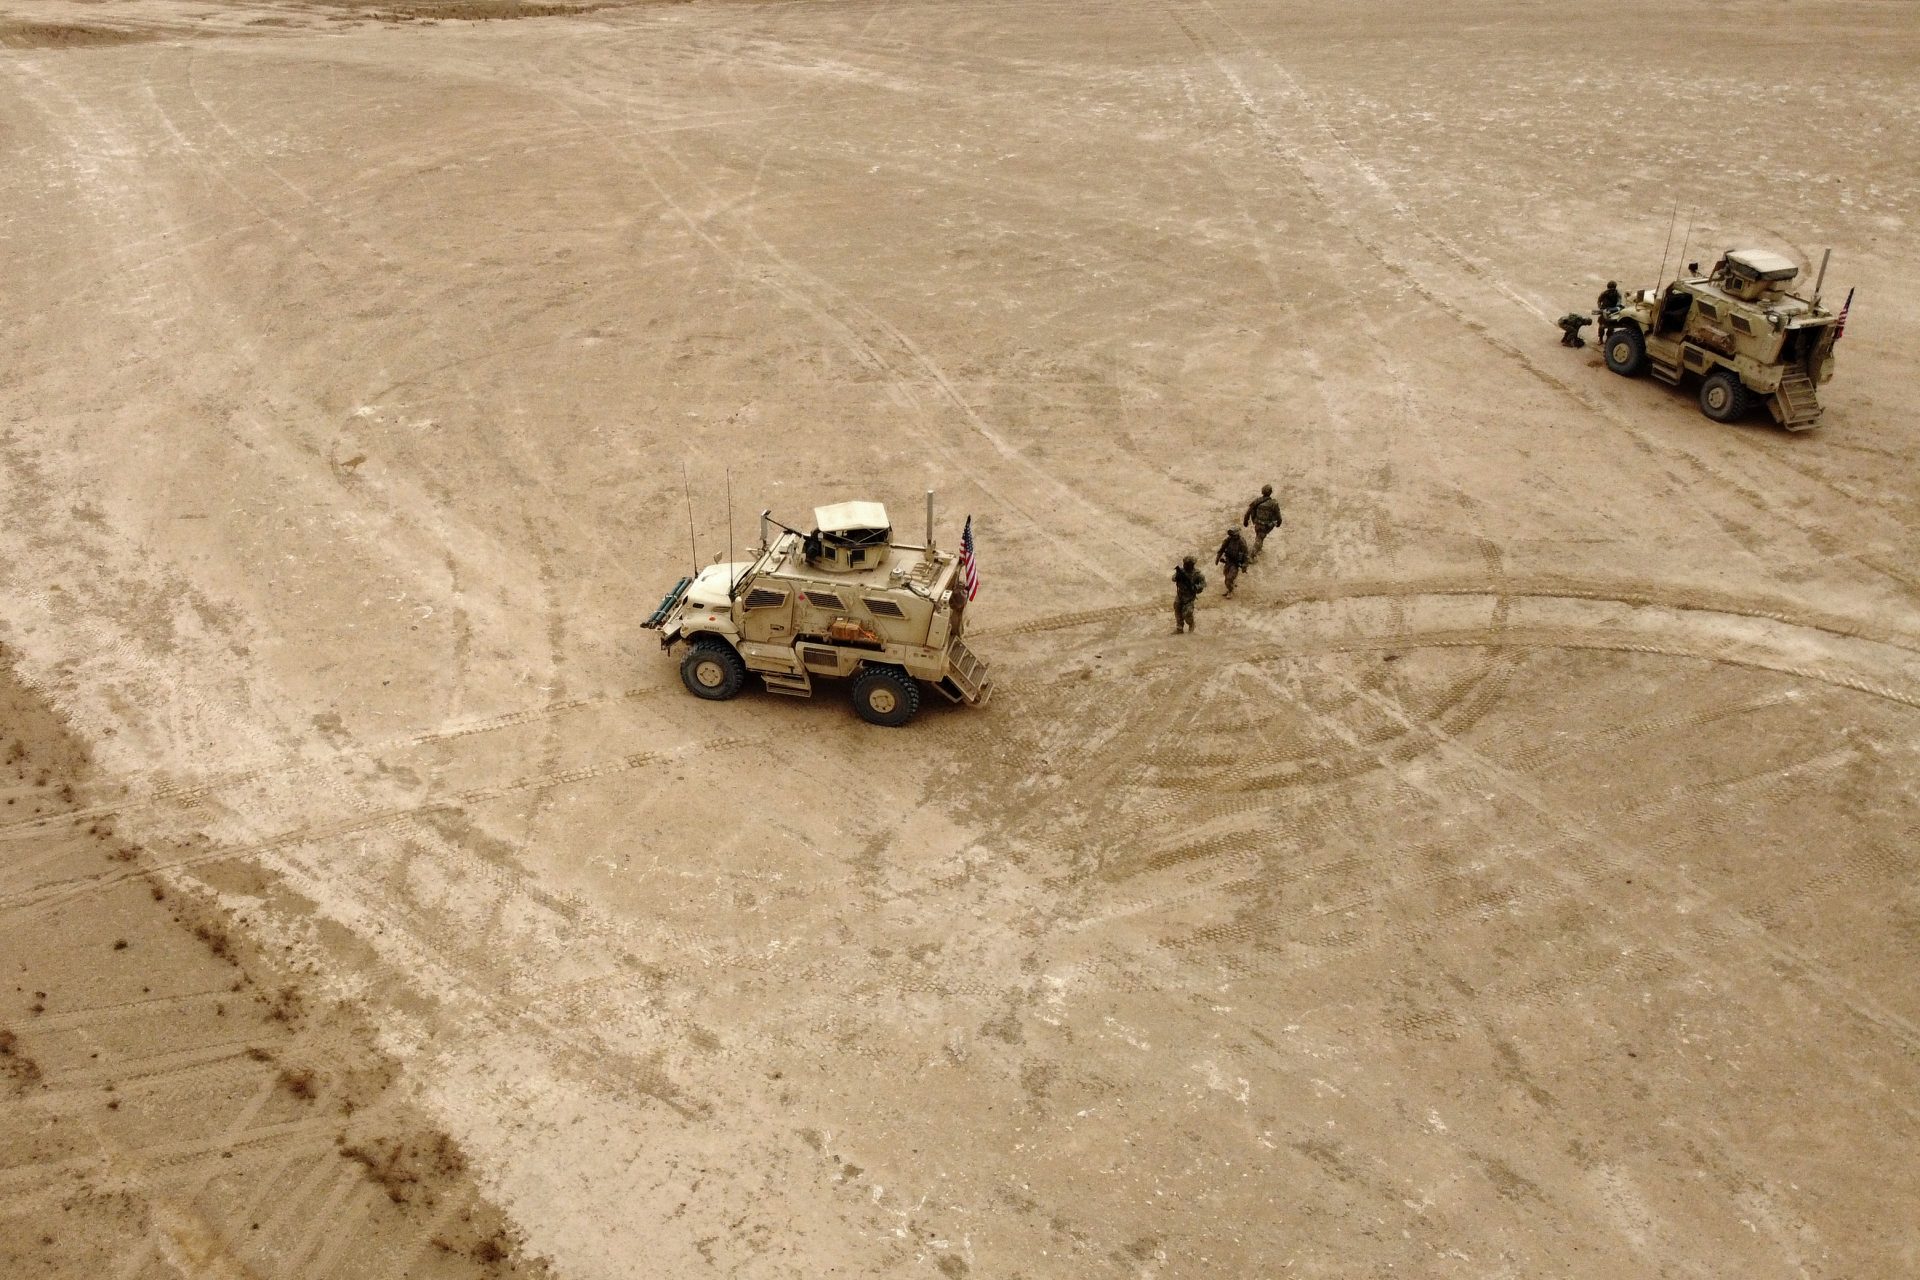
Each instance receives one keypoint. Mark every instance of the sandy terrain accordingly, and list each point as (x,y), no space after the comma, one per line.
(172,1087)
(1517,879)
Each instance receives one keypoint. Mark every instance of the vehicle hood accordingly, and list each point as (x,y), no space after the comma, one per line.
(709,589)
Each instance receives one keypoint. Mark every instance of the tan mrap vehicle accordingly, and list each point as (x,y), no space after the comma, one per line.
(1740,327)
(843,600)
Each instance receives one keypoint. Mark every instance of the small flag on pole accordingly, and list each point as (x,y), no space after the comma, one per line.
(969,573)
(1840,325)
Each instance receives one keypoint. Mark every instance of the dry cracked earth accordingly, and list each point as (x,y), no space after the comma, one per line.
(1517,878)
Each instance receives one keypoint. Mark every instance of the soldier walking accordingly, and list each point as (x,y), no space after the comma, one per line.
(1263,513)
(1188,583)
(1232,557)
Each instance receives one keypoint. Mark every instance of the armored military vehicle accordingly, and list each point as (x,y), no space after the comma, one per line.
(843,600)
(1740,327)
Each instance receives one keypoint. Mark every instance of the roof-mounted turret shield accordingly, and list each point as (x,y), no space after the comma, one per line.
(860,523)
(849,536)
(1761,264)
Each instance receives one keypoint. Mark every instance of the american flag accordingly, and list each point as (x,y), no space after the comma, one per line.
(1840,325)
(969,572)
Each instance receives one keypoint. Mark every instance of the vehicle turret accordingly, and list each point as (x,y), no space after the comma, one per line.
(848,537)
(1752,274)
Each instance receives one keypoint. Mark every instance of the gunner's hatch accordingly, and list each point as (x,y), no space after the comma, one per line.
(849,537)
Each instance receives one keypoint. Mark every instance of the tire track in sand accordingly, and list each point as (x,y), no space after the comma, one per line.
(52,894)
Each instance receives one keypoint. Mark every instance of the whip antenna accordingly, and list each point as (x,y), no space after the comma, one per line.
(732,583)
(687,486)
(1675,217)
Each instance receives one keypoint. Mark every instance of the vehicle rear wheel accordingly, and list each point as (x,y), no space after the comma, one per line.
(885,696)
(712,670)
(1723,397)
(1626,352)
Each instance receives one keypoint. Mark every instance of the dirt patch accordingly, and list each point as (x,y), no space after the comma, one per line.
(167,1084)
(491,10)
(407,1169)
(67,35)
(23,1071)
(506,10)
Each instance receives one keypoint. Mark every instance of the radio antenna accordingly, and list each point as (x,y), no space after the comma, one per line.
(1691,215)
(731,582)
(687,486)
(1674,218)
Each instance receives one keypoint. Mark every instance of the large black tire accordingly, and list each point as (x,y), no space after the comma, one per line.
(885,696)
(713,670)
(1626,351)
(1723,397)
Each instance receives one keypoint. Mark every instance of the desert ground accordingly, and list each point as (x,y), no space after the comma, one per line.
(1517,878)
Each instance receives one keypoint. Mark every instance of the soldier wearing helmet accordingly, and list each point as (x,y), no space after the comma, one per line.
(1263,513)
(1232,557)
(1188,583)
(1605,305)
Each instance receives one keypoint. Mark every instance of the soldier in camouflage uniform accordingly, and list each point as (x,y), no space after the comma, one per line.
(1604,306)
(1188,583)
(1232,557)
(1263,513)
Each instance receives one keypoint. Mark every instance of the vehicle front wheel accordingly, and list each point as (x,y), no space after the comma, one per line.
(712,670)
(1723,397)
(885,696)
(1626,352)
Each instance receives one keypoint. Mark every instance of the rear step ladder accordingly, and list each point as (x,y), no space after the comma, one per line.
(966,679)
(1795,403)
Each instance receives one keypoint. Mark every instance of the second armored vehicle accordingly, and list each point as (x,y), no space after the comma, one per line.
(842,600)
(1741,328)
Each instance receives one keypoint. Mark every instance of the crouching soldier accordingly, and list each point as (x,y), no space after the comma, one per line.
(1570,326)
(1188,583)
(1232,557)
